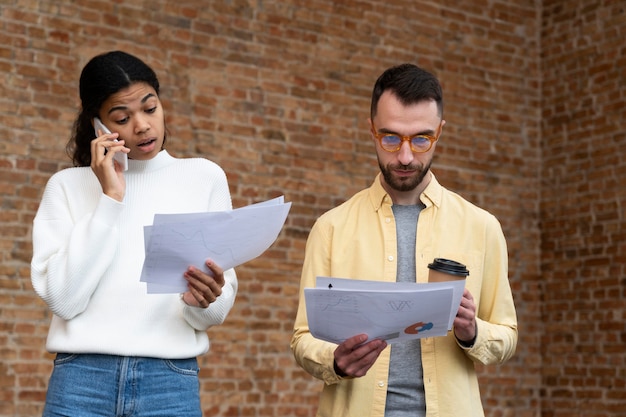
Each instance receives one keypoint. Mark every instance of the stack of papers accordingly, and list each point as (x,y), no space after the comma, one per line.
(229,238)
(338,309)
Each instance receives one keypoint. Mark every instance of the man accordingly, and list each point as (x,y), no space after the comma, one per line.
(391,231)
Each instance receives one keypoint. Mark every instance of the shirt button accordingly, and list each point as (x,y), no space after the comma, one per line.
(390,258)
(381,383)
(387,220)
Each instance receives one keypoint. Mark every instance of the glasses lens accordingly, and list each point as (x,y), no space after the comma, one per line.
(421,143)
(390,142)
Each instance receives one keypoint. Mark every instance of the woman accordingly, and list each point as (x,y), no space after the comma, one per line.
(121,351)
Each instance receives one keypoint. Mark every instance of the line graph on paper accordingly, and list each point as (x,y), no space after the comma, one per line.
(172,249)
(197,236)
(336,303)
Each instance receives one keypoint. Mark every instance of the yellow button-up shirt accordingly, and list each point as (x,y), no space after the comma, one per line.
(358,240)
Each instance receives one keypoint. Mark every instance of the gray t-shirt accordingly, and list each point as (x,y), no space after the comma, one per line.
(405,389)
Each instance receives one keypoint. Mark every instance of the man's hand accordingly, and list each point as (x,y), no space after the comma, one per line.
(354,358)
(465,320)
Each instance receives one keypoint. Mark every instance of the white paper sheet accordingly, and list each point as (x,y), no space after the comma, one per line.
(338,309)
(230,238)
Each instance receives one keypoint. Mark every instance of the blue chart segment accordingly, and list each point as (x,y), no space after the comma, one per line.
(418,327)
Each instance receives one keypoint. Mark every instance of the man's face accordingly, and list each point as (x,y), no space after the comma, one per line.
(404,171)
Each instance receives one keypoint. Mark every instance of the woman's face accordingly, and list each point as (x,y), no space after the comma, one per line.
(136,114)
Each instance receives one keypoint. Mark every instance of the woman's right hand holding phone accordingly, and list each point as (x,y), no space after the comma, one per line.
(110,174)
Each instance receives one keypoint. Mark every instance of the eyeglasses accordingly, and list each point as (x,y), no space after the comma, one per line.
(392,142)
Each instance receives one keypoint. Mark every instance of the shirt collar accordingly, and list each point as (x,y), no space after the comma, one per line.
(432,195)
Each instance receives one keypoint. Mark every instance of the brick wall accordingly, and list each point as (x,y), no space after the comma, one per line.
(277,93)
(583,217)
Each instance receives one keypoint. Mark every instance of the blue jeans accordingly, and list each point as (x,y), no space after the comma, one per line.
(118,386)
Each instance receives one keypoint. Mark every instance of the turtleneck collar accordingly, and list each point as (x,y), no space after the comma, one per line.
(161,160)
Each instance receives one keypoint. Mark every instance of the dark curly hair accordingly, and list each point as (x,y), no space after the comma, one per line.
(411,84)
(103,76)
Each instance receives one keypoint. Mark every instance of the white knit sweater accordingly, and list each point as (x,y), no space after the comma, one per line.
(88,251)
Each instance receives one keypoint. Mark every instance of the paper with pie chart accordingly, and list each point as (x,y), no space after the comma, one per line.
(339,308)
(230,238)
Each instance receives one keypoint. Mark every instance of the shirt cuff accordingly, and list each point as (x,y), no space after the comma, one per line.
(468,344)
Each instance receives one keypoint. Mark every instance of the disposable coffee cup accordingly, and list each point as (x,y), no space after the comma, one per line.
(442,270)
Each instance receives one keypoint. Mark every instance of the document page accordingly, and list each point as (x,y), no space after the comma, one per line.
(230,238)
(339,308)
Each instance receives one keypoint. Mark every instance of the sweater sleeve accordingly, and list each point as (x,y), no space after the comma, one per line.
(71,254)
(203,318)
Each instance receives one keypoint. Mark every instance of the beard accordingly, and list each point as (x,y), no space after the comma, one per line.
(404,183)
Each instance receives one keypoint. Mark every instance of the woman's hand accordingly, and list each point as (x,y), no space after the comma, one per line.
(204,288)
(109,173)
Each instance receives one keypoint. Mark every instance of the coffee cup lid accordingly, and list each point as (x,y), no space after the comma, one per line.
(448,266)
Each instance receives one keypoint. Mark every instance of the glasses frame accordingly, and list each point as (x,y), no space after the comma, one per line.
(432,139)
